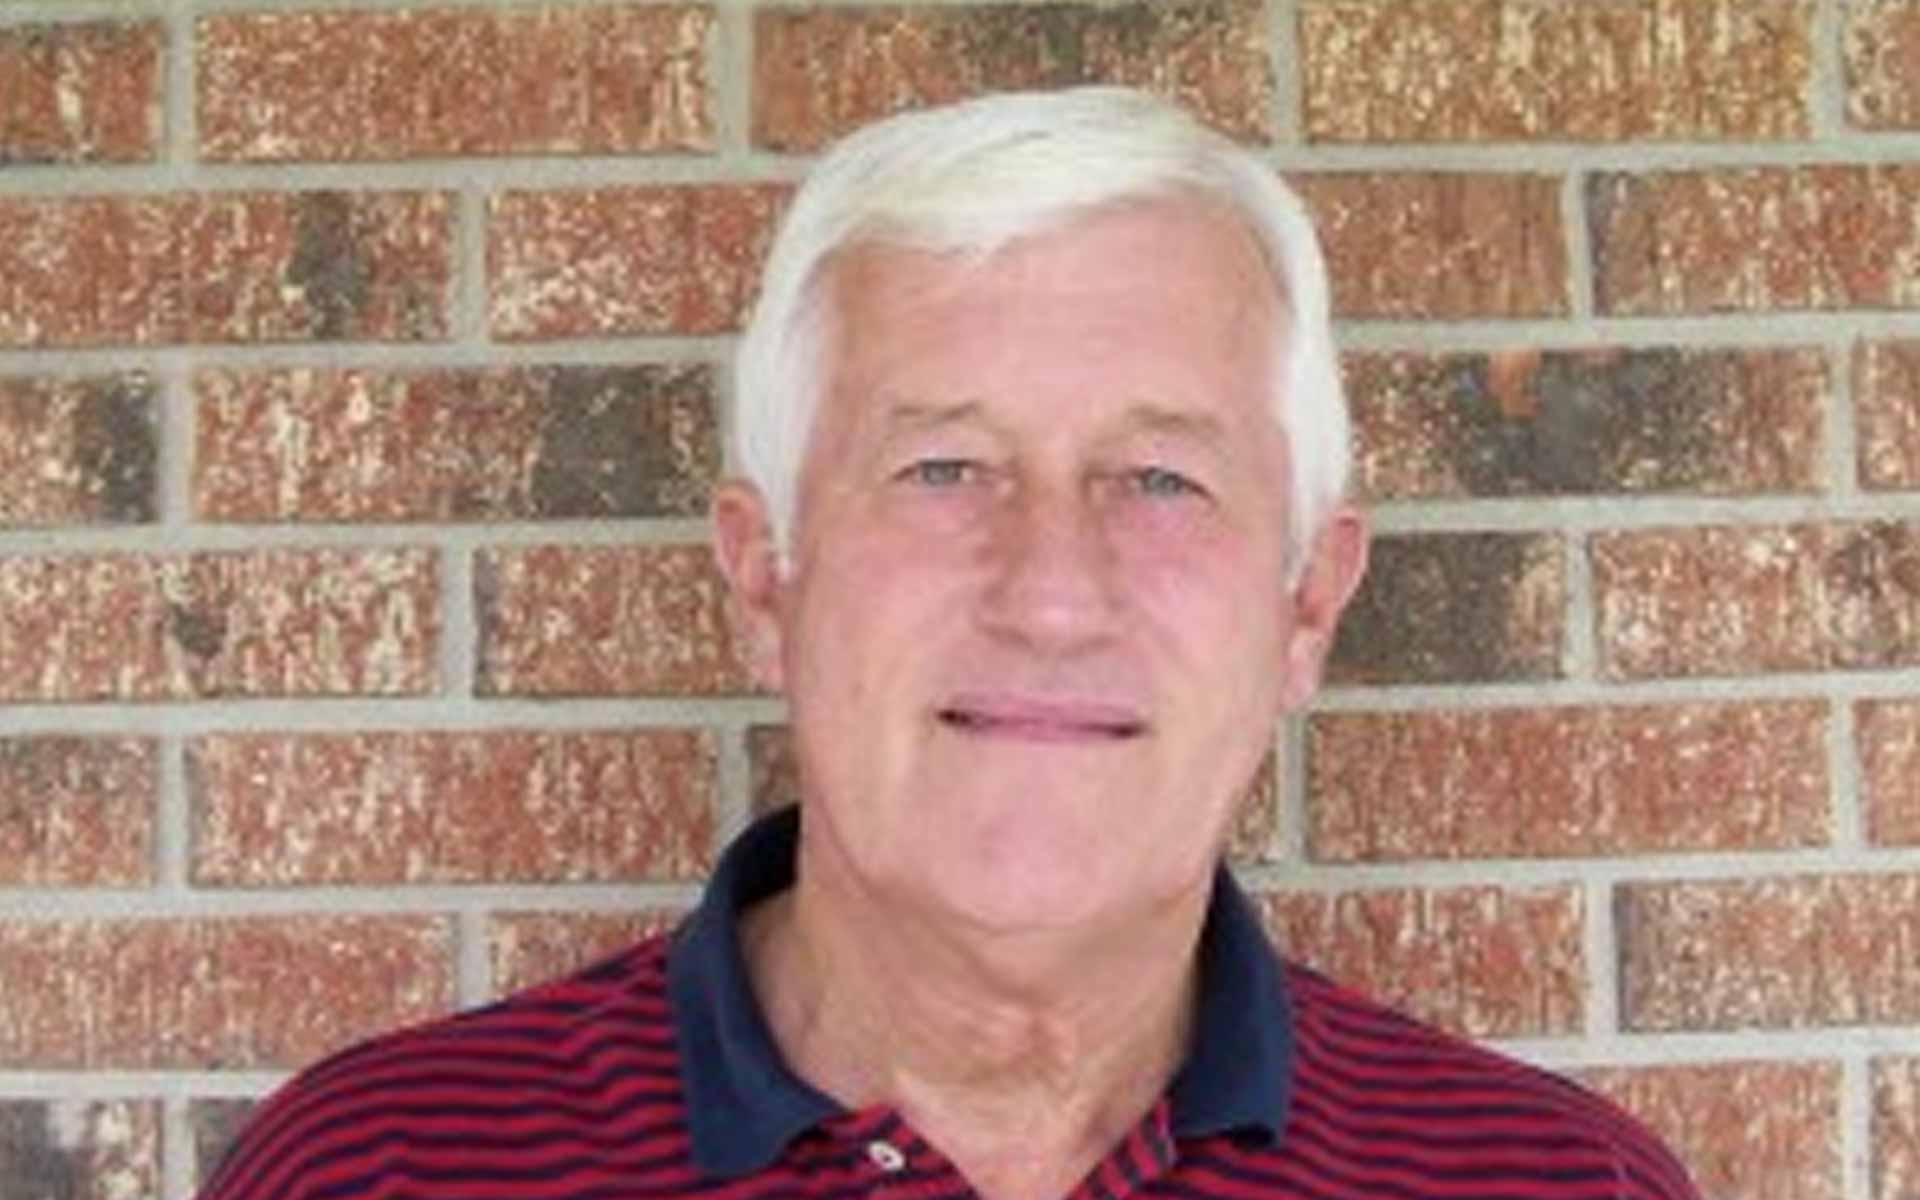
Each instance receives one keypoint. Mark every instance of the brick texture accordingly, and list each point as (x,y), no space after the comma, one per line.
(258,623)
(528,948)
(80,1149)
(1759,1131)
(213,994)
(1531,422)
(224,267)
(1888,736)
(821,72)
(1770,953)
(454,445)
(606,79)
(1456,607)
(1486,961)
(1896,1128)
(77,811)
(1886,391)
(1755,239)
(1506,70)
(1440,245)
(80,93)
(604,620)
(494,806)
(1566,781)
(1881,50)
(626,260)
(77,451)
(214,1125)
(1729,600)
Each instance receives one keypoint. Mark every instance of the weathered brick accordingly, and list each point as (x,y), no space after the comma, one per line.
(1577,422)
(821,72)
(1440,245)
(438,445)
(224,267)
(80,93)
(1485,961)
(1732,600)
(215,1125)
(1775,953)
(1455,607)
(77,810)
(1886,393)
(527,948)
(1881,50)
(1888,735)
(1755,239)
(438,807)
(1255,837)
(1756,1130)
(604,620)
(79,1149)
(607,79)
(1896,1128)
(206,994)
(1513,70)
(77,451)
(1566,781)
(259,623)
(627,260)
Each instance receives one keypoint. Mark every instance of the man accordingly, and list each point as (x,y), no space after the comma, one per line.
(1043,530)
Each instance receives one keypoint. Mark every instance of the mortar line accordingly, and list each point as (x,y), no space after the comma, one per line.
(1854,1119)
(1288,106)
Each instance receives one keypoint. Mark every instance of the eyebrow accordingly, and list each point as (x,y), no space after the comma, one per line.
(912,415)
(1155,418)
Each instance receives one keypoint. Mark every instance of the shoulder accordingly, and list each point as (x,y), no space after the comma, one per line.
(520,1071)
(1363,1067)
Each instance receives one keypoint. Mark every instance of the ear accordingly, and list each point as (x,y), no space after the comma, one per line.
(1335,562)
(743,546)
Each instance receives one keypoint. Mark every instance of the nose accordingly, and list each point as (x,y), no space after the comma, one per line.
(1054,581)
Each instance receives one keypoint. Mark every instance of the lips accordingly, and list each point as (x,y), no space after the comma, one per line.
(1038,720)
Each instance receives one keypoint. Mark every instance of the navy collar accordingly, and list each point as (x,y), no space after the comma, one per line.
(744,1104)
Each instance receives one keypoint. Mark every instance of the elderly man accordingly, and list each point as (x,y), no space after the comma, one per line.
(1042,531)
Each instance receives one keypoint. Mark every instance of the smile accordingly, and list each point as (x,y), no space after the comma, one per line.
(1042,721)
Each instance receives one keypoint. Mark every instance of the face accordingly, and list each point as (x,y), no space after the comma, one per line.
(1035,630)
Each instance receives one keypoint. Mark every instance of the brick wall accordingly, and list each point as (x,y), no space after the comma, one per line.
(361,368)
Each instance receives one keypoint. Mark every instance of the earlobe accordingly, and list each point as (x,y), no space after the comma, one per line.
(744,548)
(1336,562)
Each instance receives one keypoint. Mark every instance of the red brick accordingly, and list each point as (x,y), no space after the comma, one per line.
(1578,422)
(1772,953)
(77,451)
(528,948)
(80,93)
(1406,244)
(1756,239)
(213,994)
(1455,607)
(1886,393)
(77,811)
(80,1149)
(1881,50)
(224,267)
(1508,70)
(819,73)
(604,620)
(496,806)
(260,623)
(627,260)
(1486,961)
(512,443)
(1733,600)
(1888,736)
(1756,1130)
(1896,1128)
(1566,781)
(607,79)
(215,1124)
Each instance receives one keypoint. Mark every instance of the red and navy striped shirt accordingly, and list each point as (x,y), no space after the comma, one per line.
(653,1075)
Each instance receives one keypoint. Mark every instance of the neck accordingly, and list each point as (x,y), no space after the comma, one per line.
(1023,1056)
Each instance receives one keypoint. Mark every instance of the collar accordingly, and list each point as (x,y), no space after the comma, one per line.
(744,1105)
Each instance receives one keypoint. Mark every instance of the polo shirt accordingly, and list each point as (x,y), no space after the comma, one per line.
(653,1074)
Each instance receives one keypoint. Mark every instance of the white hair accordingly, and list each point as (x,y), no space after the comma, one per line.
(970,178)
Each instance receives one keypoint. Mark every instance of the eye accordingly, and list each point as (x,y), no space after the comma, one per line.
(1165,484)
(939,472)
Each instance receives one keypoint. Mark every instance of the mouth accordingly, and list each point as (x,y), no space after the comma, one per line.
(1042,720)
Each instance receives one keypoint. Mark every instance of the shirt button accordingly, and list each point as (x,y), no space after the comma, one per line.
(885,1155)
